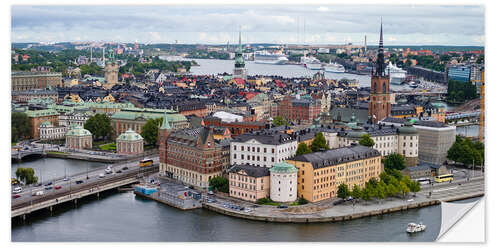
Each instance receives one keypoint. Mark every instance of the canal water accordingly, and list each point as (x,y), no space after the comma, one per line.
(125,217)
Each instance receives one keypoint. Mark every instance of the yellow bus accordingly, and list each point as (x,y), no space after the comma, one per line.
(444,178)
(146,162)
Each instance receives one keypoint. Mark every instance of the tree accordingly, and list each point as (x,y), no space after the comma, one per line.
(366,141)
(356,192)
(303,149)
(100,126)
(372,182)
(319,143)
(380,191)
(302,201)
(404,189)
(391,190)
(150,130)
(343,191)
(394,161)
(279,121)
(414,187)
(220,184)
(20,126)
(27,175)
(365,194)
(384,177)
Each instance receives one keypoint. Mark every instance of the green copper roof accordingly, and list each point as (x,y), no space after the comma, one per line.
(40,113)
(129,135)
(408,128)
(283,167)
(136,113)
(78,131)
(165,124)
(356,132)
(45,124)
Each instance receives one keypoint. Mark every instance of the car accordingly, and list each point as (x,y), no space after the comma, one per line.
(16,196)
(101,175)
(38,193)
(58,187)
(108,170)
(17,190)
(66,179)
(79,182)
(48,187)
(38,184)
(124,168)
(210,193)
(119,172)
(242,208)
(338,202)
(349,198)
(282,206)
(48,183)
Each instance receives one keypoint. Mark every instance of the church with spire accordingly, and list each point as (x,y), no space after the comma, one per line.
(380,105)
(239,64)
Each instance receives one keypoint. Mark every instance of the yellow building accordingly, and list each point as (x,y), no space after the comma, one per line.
(321,173)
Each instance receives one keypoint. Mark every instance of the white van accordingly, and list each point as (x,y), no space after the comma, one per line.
(17,190)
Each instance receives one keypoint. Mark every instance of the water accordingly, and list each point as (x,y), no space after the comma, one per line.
(51,168)
(213,66)
(124,217)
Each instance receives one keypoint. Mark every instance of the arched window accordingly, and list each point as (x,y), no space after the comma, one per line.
(375,87)
(383,89)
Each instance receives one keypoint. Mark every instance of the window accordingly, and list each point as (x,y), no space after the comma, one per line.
(272,151)
(242,148)
(265,150)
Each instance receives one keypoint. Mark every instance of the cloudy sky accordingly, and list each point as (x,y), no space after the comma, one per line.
(212,24)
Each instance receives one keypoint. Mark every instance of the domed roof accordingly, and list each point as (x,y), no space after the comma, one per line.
(408,128)
(356,132)
(283,167)
(129,135)
(78,131)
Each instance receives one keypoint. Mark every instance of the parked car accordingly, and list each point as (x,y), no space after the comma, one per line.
(48,187)
(210,193)
(16,196)
(349,198)
(79,182)
(38,184)
(338,202)
(119,172)
(17,190)
(58,187)
(38,193)
(101,175)
(66,179)
(48,183)
(124,168)
(282,206)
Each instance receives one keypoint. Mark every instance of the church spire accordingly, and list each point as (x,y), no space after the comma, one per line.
(239,40)
(165,124)
(380,69)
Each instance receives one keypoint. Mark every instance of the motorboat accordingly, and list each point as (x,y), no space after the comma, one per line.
(415,228)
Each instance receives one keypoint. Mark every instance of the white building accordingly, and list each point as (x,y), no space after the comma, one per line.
(74,118)
(283,182)
(50,132)
(262,148)
(228,117)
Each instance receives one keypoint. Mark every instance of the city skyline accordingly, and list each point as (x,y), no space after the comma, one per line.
(214,24)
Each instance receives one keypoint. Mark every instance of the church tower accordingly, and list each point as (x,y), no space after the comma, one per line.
(163,133)
(380,105)
(239,64)
(111,69)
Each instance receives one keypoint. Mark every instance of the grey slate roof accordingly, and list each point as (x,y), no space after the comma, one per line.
(253,171)
(336,156)
(265,137)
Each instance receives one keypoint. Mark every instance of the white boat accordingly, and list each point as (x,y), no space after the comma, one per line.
(413,84)
(415,228)
(310,62)
(265,57)
(334,68)
(398,75)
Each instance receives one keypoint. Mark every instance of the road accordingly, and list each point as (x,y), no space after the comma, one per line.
(29,192)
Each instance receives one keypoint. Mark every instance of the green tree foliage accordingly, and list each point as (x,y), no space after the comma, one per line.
(150,131)
(414,187)
(356,192)
(366,141)
(220,184)
(279,121)
(100,126)
(303,149)
(366,194)
(20,126)
(404,190)
(394,161)
(384,177)
(461,91)
(467,152)
(319,143)
(391,190)
(343,191)
(91,69)
(27,175)
(302,201)
(380,191)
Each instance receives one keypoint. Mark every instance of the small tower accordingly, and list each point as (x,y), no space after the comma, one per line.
(380,105)
(163,133)
(239,64)
(111,70)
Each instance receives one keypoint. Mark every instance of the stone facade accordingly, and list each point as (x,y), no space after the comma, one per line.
(51,132)
(37,117)
(248,182)
(22,81)
(78,138)
(129,143)
(283,179)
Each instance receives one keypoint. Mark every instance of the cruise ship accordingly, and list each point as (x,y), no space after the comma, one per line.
(311,62)
(334,68)
(398,75)
(265,57)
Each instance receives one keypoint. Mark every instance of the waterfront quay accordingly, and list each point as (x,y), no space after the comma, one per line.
(72,188)
(325,211)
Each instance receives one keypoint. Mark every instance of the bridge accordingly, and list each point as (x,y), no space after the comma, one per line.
(21,153)
(463,116)
(91,183)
